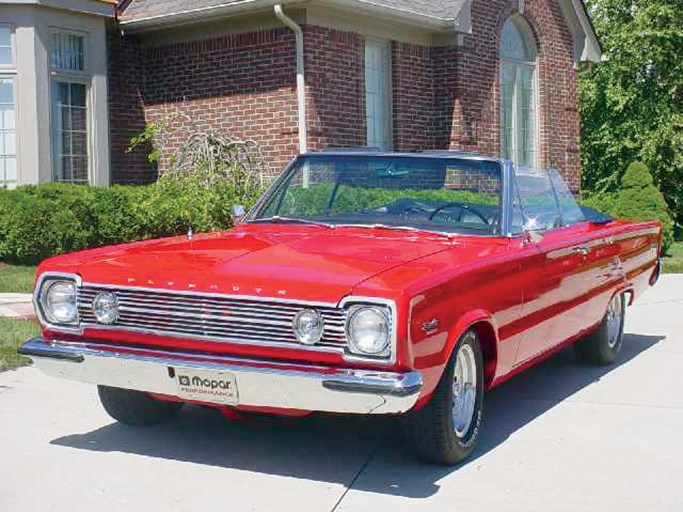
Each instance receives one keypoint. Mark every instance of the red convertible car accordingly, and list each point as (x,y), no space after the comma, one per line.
(360,283)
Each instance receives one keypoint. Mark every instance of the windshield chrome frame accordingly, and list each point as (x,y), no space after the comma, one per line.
(507,179)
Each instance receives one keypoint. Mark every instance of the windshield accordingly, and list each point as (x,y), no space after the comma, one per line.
(453,195)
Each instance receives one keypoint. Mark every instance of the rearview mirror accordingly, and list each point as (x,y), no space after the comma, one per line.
(237,214)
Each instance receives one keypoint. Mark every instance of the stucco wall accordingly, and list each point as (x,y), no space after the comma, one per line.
(33,28)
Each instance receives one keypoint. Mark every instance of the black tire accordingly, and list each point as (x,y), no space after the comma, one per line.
(602,347)
(136,408)
(430,431)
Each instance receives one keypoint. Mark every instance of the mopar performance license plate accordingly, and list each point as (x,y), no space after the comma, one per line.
(206,386)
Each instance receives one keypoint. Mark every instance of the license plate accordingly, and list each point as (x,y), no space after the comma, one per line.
(206,386)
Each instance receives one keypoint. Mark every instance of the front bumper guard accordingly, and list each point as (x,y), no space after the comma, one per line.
(260,383)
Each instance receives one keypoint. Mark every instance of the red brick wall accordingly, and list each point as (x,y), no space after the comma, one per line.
(467,92)
(412,81)
(444,97)
(335,87)
(126,111)
(239,85)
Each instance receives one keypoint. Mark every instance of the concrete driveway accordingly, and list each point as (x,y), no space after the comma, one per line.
(562,437)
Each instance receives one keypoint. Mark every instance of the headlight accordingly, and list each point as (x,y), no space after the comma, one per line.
(367,331)
(105,307)
(59,302)
(308,326)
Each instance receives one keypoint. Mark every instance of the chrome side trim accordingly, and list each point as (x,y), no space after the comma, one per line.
(260,383)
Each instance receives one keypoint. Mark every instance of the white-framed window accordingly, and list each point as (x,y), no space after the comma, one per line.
(518,93)
(8,132)
(70,134)
(68,51)
(378,98)
(8,108)
(70,93)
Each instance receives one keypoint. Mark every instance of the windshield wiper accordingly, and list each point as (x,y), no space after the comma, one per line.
(396,228)
(290,220)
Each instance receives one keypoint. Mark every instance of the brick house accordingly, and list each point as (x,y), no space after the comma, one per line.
(490,76)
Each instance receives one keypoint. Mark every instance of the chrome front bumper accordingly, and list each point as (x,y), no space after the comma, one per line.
(259,383)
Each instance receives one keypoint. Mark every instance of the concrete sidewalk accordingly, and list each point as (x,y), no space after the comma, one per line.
(561,437)
(16,305)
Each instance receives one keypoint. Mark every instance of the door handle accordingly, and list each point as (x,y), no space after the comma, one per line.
(582,250)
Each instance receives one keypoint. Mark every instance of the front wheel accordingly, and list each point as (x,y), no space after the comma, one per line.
(446,429)
(136,408)
(603,345)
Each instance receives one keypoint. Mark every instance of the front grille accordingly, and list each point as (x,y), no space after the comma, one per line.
(210,317)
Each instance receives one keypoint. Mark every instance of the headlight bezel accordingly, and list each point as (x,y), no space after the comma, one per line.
(45,282)
(387,309)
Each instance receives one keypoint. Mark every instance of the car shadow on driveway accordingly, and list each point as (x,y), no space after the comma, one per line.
(337,449)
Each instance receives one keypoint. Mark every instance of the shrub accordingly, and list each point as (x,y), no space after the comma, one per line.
(39,221)
(639,199)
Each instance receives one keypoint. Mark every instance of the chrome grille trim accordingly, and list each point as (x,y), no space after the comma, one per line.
(212,317)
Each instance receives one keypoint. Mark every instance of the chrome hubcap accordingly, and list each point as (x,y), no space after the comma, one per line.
(615,312)
(464,390)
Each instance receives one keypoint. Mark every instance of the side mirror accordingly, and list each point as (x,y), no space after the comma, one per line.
(533,237)
(237,214)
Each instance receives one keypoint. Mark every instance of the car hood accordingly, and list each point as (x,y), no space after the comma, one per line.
(309,263)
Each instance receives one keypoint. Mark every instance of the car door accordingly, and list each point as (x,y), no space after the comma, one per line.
(554,303)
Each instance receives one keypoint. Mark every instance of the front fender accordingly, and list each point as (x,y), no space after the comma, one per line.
(432,375)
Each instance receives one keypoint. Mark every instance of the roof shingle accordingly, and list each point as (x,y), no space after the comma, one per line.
(137,10)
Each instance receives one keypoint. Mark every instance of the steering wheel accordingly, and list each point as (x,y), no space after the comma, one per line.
(463,207)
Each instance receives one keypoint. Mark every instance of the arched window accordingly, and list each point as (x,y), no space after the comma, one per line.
(518,93)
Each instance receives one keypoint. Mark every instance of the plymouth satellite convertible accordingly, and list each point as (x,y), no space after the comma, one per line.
(360,283)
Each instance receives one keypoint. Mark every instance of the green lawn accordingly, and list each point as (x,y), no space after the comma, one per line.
(673,262)
(14,332)
(16,279)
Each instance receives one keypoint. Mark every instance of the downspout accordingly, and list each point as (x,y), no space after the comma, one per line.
(300,78)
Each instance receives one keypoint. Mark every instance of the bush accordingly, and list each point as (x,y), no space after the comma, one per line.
(637,199)
(39,221)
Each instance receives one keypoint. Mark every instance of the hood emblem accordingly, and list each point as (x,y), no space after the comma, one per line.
(190,233)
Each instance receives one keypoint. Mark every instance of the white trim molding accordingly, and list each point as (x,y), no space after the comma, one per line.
(586,44)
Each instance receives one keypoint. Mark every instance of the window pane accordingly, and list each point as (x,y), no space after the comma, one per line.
(70,134)
(507,85)
(10,169)
(571,212)
(526,128)
(377,94)
(8,163)
(5,55)
(538,201)
(68,51)
(5,45)
(7,91)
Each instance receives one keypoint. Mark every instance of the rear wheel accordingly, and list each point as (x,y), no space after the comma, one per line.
(446,429)
(603,345)
(136,408)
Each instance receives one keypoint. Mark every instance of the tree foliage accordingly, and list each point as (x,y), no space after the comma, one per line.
(632,104)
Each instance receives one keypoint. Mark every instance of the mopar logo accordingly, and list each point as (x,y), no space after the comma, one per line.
(203,383)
